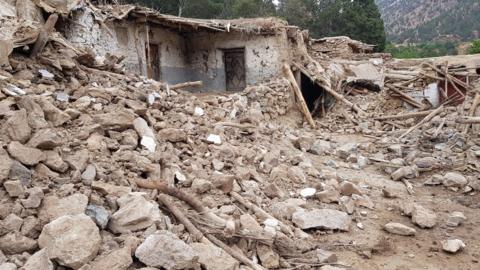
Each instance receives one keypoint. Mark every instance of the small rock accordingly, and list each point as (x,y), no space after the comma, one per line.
(55,162)
(307,192)
(328,219)
(347,204)
(119,120)
(15,243)
(14,188)
(198,111)
(12,223)
(213,258)
(407,172)
(346,150)
(456,219)
(46,139)
(273,191)
(38,261)
(268,258)
(348,189)
(108,189)
(423,217)
(79,160)
(17,126)
(329,195)
(325,256)
(400,229)
(135,213)
(164,249)
(20,172)
(35,196)
(119,259)
(453,245)
(5,165)
(71,241)
(26,155)
(8,266)
(453,179)
(201,185)
(89,174)
(296,174)
(173,135)
(320,147)
(54,207)
(99,214)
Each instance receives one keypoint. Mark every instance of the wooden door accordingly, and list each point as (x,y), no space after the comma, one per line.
(235,69)
(153,61)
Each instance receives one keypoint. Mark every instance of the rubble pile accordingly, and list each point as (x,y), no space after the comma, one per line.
(105,170)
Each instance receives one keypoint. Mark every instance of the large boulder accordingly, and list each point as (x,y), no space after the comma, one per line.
(71,241)
(164,249)
(135,213)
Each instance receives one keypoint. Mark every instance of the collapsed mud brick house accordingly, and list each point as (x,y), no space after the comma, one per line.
(224,54)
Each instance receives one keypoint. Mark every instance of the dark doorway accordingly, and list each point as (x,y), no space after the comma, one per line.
(314,96)
(153,61)
(234,60)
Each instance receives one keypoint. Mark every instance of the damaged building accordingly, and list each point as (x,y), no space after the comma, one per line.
(223,54)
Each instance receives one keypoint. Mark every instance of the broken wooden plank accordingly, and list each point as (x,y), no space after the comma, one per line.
(44,35)
(298,93)
(469,120)
(186,85)
(404,116)
(424,120)
(406,98)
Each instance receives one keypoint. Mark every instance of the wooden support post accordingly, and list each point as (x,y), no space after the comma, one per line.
(44,35)
(473,109)
(298,94)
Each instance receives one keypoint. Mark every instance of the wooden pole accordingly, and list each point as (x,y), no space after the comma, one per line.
(426,119)
(185,85)
(298,94)
(404,116)
(406,97)
(469,120)
(44,35)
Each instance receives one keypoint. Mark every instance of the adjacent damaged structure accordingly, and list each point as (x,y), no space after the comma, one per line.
(224,54)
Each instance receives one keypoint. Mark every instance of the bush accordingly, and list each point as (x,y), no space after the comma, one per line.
(475,47)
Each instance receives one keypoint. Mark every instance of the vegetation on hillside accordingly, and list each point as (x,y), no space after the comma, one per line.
(360,20)
(475,47)
(422,50)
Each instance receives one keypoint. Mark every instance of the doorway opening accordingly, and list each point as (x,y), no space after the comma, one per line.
(317,99)
(153,61)
(235,72)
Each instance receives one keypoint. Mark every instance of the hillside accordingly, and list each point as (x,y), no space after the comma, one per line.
(430,20)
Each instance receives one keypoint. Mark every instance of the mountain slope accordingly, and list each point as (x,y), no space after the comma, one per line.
(430,20)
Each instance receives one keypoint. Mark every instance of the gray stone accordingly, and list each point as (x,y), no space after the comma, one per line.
(35,196)
(17,126)
(400,229)
(348,189)
(54,207)
(423,217)
(71,241)
(453,179)
(214,258)
(453,245)
(328,219)
(165,249)
(46,139)
(135,213)
(5,165)
(456,219)
(39,261)
(20,172)
(15,243)
(320,147)
(14,188)
(26,155)
(346,150)
(99,214)
(347,204)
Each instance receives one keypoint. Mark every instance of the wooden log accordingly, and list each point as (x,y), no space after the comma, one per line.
(424,120)
(469,120)
(298,94)
(400,77)
(336,95)
(185,85)
(44,35)
(473,109)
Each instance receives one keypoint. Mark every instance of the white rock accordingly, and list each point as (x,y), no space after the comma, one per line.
(455,219)
(214,258)
(453,245)
(308,192)
(423,217)
(453,179)
(215,139)
(71,241)
(198,111)
(400,229)
(46,74)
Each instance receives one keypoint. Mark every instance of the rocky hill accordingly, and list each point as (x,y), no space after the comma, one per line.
(430,20)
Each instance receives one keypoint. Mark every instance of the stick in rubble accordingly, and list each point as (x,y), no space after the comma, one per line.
(426,119)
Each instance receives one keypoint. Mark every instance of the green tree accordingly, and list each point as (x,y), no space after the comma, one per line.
(475,47)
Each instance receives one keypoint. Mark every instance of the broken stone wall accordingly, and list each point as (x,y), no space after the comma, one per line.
(264,56)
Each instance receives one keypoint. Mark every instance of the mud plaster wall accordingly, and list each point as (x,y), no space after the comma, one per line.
(264,56)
